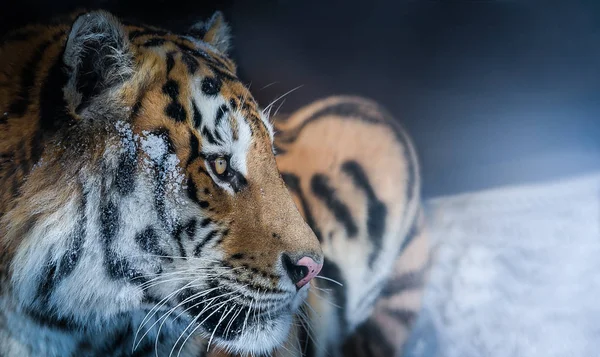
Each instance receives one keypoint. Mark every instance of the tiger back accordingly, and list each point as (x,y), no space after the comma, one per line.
(142,211)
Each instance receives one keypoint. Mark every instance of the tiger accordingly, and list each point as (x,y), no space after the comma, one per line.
(150,207)
(142,210)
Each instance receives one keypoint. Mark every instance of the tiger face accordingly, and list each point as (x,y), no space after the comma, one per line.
(156,195)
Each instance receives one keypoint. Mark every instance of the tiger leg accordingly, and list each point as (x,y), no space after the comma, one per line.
(353,173)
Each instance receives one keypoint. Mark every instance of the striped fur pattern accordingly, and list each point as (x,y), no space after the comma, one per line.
(141,208)
(354,176)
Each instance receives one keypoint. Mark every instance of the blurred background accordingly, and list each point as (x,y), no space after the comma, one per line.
(502,99)
(494,92)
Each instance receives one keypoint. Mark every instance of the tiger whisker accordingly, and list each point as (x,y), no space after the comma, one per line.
(268,85)
(324,299)
(186,276)
(279,107)
(161,280)
(200,324)
(228,326)
(211,300)
(216,327)
(329,279)
(193,297)
(156,306)
(305,321)
(164,301)
(281,96)
(166,315)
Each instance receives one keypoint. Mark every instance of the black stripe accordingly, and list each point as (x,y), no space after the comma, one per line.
(238,182)
(211,86)
(52,321)
(209,137)
(355,111)
(192,190)
(377,211)
(197,115)
(220,114)
(136,108)
(215,64)
(218,136)
(293,183)
(125,176)
(190,228)
(28,75)
(149,241)
(116,267)
(190,62)
(120,268)
(205,222)
(238,256)
(372,341)
(194,149)
(404,316)
(209,236)
(174,109)
(177,235)
(72,256)
(153,42)
(322,190)
(48,283)
(160,177)
(233,104)
(170,62)
(407,281)
(109,222)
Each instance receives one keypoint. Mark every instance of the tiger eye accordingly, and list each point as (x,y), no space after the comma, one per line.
(220,165)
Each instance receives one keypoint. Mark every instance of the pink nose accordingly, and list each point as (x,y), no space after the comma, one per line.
(312,269)
(302,271)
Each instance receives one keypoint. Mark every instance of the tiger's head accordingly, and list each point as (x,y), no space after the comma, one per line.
(157,191)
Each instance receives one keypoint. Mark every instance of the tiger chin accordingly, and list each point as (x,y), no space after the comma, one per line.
(142,211)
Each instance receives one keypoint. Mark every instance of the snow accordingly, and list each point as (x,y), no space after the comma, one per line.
(516,273)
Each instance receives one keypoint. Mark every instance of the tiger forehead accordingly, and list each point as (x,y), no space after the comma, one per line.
(185,64)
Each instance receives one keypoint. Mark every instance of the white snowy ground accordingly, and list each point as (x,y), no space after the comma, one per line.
(516,273)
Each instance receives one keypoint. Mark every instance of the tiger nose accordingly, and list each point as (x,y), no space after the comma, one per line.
(302,271)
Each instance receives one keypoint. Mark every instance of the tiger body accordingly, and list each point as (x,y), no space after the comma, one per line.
(354,176)
(143,211)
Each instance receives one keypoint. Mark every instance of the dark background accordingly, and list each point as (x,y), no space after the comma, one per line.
(493,92)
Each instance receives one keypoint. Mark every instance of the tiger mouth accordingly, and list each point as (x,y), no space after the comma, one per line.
(227,314)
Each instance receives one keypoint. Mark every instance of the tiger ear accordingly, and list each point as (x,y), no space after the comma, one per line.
(215,32)
(97,58)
